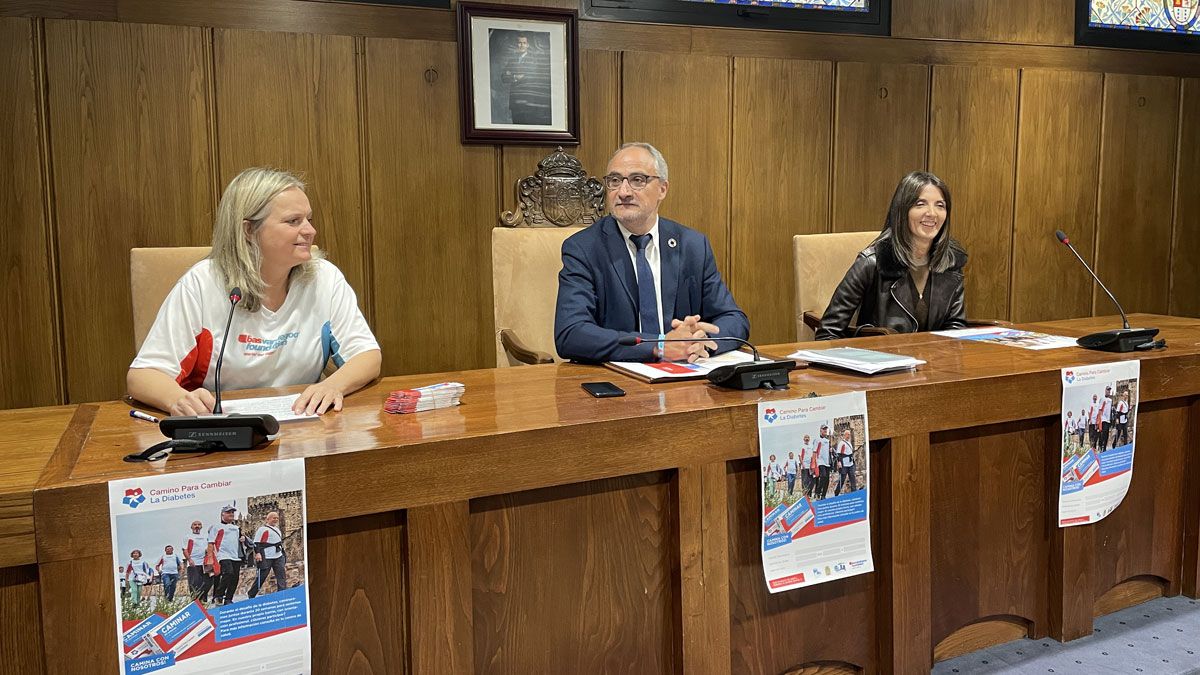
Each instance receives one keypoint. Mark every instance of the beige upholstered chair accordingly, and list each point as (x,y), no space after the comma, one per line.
(820,262)
(525,266)
(152,274)
(555,203)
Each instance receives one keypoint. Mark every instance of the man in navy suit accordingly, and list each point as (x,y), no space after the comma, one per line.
(635,274)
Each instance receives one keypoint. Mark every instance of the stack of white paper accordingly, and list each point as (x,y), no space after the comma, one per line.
(863,361)
(441,395)
(279,407)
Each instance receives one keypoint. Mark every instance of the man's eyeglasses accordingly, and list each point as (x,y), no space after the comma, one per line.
(637,181)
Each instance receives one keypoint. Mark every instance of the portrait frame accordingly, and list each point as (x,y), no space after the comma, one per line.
(518,74)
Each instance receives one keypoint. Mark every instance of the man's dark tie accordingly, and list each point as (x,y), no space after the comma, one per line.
(647,298)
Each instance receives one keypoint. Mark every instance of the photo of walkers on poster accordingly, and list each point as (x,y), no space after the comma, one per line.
(211,570)
(815,464)
(1099,427)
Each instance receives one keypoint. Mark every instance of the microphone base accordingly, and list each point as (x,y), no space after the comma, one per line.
(234,431)
(1118,340)
(753,375)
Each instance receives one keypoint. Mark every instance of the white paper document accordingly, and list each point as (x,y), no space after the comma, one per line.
(279,407)
(672,370)
(1010,337)
(865,361)
(815,465)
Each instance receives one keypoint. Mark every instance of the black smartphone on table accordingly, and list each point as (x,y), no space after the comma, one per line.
(603,389)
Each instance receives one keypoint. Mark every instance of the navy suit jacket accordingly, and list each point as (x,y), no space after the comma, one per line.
(597,292)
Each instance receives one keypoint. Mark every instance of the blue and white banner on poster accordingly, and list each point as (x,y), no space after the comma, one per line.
(211,570)
(815,468)
(1099,421)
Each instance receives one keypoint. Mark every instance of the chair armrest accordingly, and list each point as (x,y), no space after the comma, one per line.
(516,349)
(812,320)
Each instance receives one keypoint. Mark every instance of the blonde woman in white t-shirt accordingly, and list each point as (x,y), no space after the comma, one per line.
(263,244)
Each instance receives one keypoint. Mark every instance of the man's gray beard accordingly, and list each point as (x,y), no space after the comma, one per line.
(647,220)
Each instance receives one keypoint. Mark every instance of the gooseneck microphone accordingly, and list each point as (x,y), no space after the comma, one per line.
(235,296)
(1124,339)
(215,432)
(759,373)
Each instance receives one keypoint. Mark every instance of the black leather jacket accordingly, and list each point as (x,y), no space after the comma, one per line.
(876,287)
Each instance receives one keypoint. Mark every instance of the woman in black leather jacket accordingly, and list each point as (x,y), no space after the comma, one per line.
(910,278)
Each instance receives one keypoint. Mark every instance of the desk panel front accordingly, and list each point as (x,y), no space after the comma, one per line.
(535,529)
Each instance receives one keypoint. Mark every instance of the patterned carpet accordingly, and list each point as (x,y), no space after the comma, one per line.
(1160,637)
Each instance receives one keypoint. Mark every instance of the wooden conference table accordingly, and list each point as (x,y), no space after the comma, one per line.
(534,529)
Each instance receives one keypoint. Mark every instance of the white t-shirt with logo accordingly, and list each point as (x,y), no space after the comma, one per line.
(319,321)
(822,451)
(168,564)
(224,537)
(265,534)
(138,570)
(845,453)
(806,455)
(194,546)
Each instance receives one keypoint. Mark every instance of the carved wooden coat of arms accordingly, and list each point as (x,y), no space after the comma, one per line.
(560,193)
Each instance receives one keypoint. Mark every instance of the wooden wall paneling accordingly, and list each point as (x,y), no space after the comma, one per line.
(599,125)
(293,16)
(20,620)
(1006,17)
(95,10)
(703,507)
(433,205)
(880,124)
(1137,174)
(131,158)
(289,101)
(1128,545)
(1048,22)
(910,585)
(359,594)
(680,104)
(26,246)
(782,116)
(1058,160)
(1002,569)
(973,147)
(1185,256)
(439,565)
(831,624)
(577,579)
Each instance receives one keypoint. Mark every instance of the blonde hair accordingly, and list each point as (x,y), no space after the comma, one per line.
(237,256)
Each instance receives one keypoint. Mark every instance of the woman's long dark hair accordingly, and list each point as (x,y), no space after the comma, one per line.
(908,191)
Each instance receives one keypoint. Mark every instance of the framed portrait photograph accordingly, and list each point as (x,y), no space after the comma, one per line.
(519,72)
